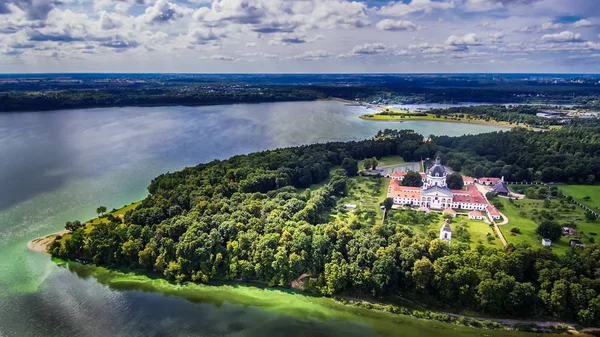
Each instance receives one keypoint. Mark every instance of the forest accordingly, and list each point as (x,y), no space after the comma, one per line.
(255,218)
(77,91)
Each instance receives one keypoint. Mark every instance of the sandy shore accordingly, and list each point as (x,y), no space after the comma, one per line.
(41,244)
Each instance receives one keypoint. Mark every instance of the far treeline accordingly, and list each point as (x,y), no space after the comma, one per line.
(41,97)
(248,218)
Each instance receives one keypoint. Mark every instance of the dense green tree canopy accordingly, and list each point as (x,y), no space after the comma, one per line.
(249,217)
(412,178)
(455,181)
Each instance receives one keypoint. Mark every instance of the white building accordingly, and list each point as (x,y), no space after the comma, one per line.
(475,215)
(546,242)
(435,194)
(446,231)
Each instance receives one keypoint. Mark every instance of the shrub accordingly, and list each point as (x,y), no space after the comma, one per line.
(515,230)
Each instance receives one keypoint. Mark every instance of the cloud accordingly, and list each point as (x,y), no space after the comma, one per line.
(398,8)
(314,55)
(35,9)
(370,49)
(218,57)
(107,22)
(119,42)
(164,11)
(486,5)
(36,35)
(276,16)
(566,36)
(392,25)
(582,23)
(251,44)
(466,40)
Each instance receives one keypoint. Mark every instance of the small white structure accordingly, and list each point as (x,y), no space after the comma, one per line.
(446,231)
(475,215)
(546,242)
(350,206)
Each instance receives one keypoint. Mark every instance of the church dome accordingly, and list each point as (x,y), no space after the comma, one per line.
(437,170)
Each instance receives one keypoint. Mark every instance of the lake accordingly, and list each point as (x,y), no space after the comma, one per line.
(59,166)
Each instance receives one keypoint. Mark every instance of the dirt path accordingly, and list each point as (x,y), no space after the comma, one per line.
(41,244)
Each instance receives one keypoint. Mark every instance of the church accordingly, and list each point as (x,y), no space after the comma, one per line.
(435,194)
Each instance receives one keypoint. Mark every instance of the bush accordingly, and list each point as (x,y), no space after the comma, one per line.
(593,233)
(515,230)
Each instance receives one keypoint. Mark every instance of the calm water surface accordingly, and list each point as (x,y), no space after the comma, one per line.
(59,166)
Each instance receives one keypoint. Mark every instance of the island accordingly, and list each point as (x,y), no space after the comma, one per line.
(449,224)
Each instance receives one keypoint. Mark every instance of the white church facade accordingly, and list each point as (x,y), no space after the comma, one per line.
(435,194)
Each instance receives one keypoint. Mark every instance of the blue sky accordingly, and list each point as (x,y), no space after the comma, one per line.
(300,36)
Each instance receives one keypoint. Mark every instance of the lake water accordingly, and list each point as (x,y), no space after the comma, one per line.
(59,166)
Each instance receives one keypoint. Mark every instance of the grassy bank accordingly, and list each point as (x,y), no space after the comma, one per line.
(437,118)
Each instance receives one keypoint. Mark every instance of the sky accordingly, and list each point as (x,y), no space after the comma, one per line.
(300,36)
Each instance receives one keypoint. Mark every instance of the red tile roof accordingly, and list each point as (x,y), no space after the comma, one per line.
(397,191)
(492,210)
(489,179)
(449,211)
(398,174)
(475,213)
(468,179)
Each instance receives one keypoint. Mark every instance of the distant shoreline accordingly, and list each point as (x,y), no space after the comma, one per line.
(386,118)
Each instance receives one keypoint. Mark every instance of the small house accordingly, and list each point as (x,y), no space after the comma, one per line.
(350,206)
(475,215)
(488,181)
(493,213)
(576,243)
(450,212)
(500,188)
(468,180)
(546,242)
(569,231)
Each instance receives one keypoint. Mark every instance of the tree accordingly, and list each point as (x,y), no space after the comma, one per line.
(388,203)
(370,163)
(549,230)
(350,166)
(101,210)
(412,178)
(374,163)
(73,225)
(455,181)
(367,163)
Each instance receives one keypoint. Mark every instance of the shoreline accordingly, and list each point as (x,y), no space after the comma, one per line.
(41,244)
(427,119)
(505,125)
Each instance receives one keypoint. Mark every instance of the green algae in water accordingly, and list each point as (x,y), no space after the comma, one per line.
(298,310)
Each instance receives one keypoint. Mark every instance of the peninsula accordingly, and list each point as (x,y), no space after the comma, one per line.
(327,218)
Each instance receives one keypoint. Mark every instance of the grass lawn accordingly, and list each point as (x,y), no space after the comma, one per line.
(391,160)
(478,231)
(519,215)
(579,192)
(385,161)
(366,192)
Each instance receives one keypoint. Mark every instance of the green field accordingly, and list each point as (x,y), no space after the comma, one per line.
(519,215)
(385,161)
(580,192)
(366,192)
